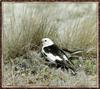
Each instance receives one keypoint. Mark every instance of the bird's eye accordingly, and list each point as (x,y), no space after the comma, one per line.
(45,40)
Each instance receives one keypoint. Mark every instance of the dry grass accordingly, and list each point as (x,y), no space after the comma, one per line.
(31,70)
(71,26)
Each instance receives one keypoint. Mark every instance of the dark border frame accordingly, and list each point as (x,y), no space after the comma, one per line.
(45,87)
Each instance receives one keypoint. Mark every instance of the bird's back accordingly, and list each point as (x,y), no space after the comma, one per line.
(54,50)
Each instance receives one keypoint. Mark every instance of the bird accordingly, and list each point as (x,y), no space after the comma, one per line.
(56,56)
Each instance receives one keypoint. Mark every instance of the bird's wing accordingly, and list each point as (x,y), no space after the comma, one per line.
(60,53)
(68,63)
(55,50)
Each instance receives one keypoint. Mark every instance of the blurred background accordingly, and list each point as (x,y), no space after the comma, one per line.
(70,25)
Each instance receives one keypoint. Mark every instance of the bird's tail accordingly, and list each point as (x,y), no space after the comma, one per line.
(73,72)
(72,69)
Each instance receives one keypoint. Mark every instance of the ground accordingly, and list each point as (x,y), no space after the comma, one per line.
(30,69)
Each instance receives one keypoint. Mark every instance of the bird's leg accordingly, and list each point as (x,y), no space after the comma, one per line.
(66,68)
(63,68)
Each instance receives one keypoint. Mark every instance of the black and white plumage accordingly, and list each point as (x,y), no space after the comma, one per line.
(56,56)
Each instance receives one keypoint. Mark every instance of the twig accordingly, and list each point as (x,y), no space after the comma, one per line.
(12,71)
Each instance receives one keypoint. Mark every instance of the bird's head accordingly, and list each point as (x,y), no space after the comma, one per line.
(47,42)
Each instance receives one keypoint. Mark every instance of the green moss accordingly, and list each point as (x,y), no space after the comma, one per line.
(90,67)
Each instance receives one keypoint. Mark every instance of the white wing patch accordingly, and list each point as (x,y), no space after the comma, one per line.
(65,57)
(58,58)
(52,57)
